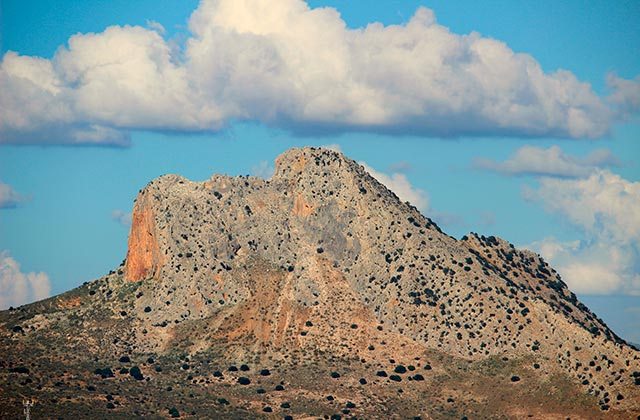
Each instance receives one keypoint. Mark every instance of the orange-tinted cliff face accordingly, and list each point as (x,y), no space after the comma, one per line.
(143,254)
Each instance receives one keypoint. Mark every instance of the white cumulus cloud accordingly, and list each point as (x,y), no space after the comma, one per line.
(9,198)
(606,208)
(537,161)
(287,65)
(18,288)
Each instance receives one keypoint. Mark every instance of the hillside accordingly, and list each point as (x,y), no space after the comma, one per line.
(314,293)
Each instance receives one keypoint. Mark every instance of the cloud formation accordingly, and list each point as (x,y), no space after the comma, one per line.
(531,160)
(400,166)
(9,198)
(122,217)
(625,96)
(18,288)
(400,185)
(289,66)
(263,169)
(606,209)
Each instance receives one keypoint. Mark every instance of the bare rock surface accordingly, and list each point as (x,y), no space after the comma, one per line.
(320,282)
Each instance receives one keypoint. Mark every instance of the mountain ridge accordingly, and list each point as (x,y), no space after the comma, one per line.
(321,263)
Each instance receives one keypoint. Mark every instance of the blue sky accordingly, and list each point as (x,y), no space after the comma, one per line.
(566,188)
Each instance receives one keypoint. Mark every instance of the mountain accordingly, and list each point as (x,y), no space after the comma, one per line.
(315,293)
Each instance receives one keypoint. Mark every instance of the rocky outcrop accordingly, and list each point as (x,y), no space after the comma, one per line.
(321,264)
(144,258)
(322,217)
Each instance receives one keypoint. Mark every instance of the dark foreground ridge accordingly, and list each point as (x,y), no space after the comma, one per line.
(316,293)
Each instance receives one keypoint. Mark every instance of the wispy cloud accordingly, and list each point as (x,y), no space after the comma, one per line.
(122,217)
(406,191)
(400,185)
(156,26)
(18,288)
(401,166)
(289,66)
(487,218)
(536,161)
(263,169)
(9,198)
(625,95)
(447,219)
(332,146)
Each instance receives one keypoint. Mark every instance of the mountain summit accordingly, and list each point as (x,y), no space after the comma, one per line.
(314,293)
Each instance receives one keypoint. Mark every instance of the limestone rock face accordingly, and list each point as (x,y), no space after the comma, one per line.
(262,257)
(144,259)
(323,263)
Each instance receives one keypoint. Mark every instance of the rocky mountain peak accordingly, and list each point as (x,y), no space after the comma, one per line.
(303,179)
(322,267)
